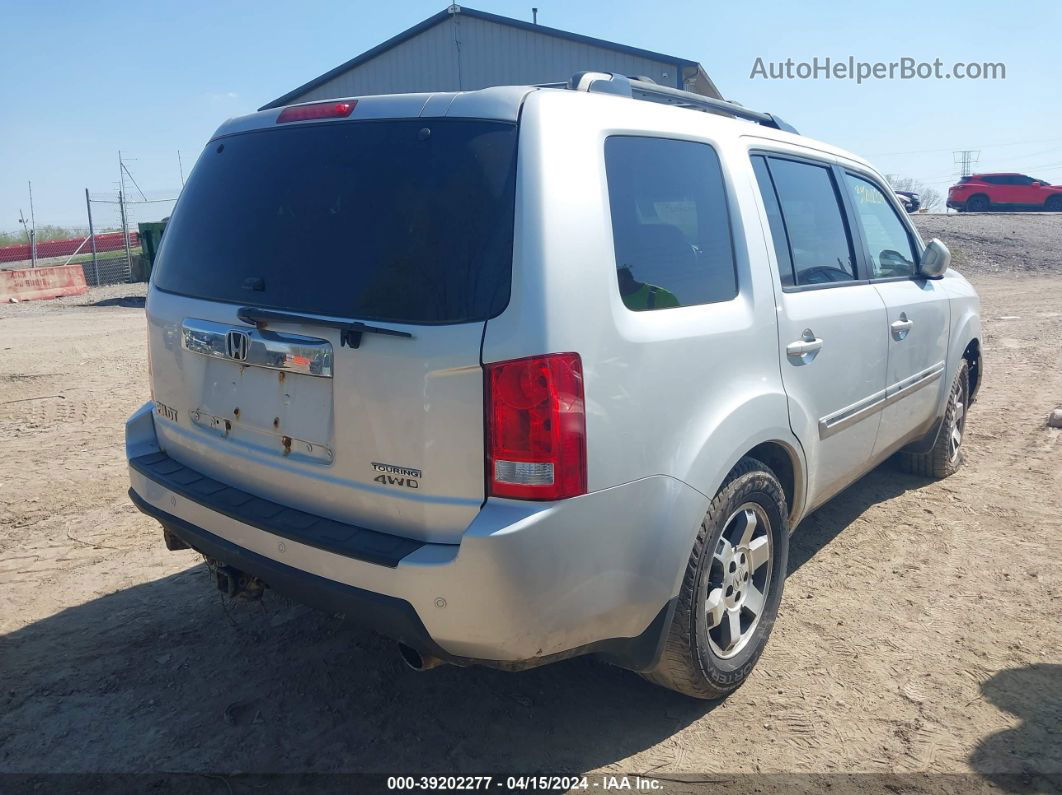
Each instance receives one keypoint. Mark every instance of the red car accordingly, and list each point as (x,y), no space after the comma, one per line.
(983,192)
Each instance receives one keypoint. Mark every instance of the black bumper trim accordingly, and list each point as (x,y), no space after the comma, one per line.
(389,615)
(348,540)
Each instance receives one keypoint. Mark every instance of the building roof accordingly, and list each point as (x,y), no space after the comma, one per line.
(444,15)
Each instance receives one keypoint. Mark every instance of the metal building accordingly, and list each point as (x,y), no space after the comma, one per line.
(461,49)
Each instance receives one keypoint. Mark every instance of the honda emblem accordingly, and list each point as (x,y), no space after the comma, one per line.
(237,344)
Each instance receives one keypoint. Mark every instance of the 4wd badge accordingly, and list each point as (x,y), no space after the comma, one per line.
(389,475)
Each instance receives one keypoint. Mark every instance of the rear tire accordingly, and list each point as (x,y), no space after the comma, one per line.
(729,598)
(946,456)
(1053,204)
(977,204)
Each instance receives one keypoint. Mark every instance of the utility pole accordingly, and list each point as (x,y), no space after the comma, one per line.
(121,207)
(92,237)
(180,167)
(965,160)
(33,229)
(25,229)
(125,231)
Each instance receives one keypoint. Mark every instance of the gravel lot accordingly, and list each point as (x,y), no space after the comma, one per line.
(998,242)
(919,632)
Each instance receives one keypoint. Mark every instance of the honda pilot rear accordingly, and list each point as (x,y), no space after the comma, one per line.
(322,421)
(317,310)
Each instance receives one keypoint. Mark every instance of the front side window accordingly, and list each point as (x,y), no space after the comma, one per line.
(670,224)
(889,248)
(819,245)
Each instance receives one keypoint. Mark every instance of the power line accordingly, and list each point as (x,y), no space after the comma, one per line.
(951,178)
(949,149)
(1050,151)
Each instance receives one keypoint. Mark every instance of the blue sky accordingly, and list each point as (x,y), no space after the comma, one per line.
(83,80)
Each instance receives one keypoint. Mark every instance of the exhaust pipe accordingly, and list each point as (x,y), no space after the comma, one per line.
(417,661)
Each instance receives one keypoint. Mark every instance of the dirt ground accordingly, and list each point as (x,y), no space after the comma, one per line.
(919,633)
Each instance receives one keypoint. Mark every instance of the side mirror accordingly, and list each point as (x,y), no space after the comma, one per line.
(935,260)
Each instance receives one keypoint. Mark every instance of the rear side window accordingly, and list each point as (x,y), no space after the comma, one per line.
(402,221)
(819,244)
(670,224)
(889,247)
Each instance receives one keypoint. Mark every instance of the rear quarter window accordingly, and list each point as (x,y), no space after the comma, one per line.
(670,224)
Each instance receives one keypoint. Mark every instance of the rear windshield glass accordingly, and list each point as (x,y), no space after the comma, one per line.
(402,221)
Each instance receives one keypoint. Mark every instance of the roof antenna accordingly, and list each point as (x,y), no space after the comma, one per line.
(534,16)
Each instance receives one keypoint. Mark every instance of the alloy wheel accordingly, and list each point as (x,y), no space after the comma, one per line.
(738,580)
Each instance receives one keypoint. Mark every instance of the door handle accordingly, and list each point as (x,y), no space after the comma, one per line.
(806,345)
(901,327)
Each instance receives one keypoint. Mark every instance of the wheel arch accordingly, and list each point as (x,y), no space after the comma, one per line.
(965,337)
(972,355)
(744,433)
(787,467)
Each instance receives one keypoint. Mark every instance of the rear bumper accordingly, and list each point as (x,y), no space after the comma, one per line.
(528,584)
(387,615)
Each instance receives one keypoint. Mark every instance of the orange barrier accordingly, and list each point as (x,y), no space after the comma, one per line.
(32,284)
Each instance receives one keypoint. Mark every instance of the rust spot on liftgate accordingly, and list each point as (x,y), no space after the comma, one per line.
(236,412)
(281,375)
(276,422)
(286,441)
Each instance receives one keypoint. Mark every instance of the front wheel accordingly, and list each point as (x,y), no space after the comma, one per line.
(731,589)
(946,456)
(1053,204)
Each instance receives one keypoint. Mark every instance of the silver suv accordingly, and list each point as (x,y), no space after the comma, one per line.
(524,373)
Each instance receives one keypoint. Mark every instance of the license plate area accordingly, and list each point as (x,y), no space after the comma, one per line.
(270,410)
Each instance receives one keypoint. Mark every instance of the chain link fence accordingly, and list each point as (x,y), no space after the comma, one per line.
(113,252)
(109,248)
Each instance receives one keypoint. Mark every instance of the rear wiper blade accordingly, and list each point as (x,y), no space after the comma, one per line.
(350,331)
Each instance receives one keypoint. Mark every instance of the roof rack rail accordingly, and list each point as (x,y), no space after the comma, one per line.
(645,89)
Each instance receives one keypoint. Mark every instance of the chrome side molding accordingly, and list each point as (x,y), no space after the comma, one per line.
(872,404)
(251,347)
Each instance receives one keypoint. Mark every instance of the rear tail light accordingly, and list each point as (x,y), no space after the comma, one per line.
(536,428)
(318,110)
